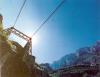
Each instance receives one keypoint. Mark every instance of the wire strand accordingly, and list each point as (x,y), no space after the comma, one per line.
(45,21)
(19,12)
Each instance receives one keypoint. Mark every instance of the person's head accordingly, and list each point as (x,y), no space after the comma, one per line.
(1,18)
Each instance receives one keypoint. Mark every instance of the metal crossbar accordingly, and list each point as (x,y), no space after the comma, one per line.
(28,46)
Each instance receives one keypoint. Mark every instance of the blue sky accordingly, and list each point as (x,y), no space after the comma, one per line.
(76,24)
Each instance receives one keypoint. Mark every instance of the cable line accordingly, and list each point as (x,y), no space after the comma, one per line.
(45,21)
(19,12)
(52,13)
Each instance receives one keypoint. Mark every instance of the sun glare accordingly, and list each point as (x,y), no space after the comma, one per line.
(35,40)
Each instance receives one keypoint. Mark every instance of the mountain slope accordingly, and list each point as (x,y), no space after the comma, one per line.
(85,55)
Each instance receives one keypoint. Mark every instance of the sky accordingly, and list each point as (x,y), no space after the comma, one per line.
(75,24)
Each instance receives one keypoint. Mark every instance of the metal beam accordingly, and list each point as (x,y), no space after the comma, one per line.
(28,46)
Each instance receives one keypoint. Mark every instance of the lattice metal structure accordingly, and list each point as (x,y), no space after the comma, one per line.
(28,46)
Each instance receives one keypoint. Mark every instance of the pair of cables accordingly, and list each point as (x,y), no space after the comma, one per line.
(45,21)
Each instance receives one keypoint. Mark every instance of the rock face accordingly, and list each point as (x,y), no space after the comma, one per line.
(67,60)
(1,26)
(14,67)
(47,67)
(85,55)
(11,63)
